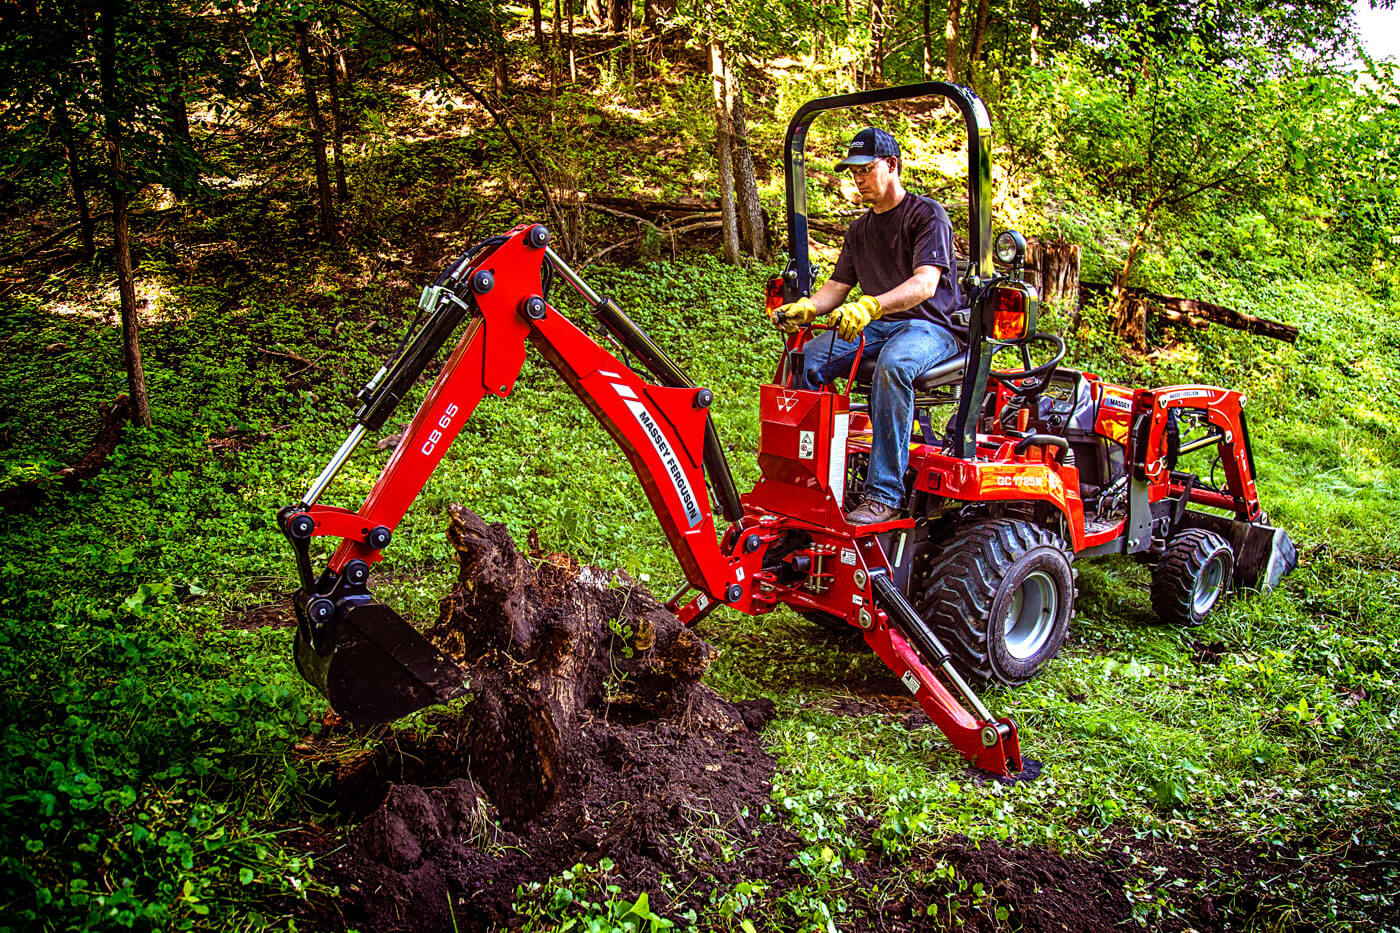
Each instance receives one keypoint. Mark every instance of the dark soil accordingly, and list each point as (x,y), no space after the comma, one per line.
(589,735)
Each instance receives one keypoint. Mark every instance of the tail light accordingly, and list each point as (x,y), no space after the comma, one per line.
(1010,317)
(774,295)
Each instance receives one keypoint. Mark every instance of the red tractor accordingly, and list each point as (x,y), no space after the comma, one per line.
(1037,466)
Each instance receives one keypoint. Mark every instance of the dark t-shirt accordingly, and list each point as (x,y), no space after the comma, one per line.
(882,251)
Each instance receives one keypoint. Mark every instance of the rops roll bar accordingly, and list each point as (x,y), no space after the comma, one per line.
(797,278)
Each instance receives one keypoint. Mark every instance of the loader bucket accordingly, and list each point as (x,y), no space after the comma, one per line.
(378,667)
(1264,555)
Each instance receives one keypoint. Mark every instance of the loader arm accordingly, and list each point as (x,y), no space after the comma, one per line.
(1224,411)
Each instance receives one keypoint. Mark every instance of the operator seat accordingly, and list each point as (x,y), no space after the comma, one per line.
(937,385)
(947,373)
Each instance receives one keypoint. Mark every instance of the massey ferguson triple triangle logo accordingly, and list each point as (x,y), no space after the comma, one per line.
(787,401)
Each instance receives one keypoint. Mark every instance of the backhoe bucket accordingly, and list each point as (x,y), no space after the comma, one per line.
(378,667)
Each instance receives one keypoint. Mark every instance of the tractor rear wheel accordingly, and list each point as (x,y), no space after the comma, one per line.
(1000,598)
(1191,577)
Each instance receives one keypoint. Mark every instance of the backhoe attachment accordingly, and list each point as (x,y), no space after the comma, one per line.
(374,667)
(369,663)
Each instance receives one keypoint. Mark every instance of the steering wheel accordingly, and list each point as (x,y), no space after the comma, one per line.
(1032,379)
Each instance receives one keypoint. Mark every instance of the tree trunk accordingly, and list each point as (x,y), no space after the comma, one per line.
(337,125)
(979,34)
(1130,321)
(617,14)
(753,224)
(1129,313)
(73,161)
(723,146)
(500,74)
(1054,267)
(556,24)
(537,21)
(1034,14)
(573,57)
(318,133)
(593,9)
(928,42)
(877,32)
(114,106)
(950,41)
(342,70)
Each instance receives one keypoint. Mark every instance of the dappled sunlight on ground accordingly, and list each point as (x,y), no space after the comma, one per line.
(155,304)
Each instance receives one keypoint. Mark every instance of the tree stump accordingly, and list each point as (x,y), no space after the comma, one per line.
(1054,265)
(550,647)
(1130,320)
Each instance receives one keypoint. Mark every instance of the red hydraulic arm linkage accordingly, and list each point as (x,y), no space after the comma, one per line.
(664,432)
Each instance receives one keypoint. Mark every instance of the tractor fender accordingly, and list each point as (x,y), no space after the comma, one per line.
(999,481)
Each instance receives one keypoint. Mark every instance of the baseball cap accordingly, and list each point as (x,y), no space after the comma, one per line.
(867,146)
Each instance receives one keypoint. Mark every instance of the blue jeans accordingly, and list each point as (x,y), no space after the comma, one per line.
(906,349)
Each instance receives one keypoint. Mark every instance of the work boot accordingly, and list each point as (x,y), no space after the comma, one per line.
(871,512)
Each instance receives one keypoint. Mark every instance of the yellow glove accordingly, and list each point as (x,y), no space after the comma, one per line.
(791,316)
(850,319)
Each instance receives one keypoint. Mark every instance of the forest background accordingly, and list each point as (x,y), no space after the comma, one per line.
(218,218)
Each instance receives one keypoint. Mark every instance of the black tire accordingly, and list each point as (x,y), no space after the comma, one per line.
(988,573)
(1192,577)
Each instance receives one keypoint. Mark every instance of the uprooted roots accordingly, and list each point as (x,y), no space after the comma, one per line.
(588,731)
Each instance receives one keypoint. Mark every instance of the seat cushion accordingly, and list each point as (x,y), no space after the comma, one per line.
(942,374)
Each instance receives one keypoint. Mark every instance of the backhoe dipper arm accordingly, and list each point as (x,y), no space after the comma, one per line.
(660,429)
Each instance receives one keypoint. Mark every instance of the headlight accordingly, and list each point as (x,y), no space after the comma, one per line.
(1010,248)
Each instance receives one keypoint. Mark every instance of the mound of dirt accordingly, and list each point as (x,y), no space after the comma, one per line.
(589,733)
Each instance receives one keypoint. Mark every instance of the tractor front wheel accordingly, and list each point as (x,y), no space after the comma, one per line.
(1191,577)
(1000,598)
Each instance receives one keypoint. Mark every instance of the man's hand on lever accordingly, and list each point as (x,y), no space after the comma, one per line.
(850,319)
(791,316)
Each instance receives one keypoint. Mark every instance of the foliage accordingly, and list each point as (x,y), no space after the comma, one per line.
(587,899)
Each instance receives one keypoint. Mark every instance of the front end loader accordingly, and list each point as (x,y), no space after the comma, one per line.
(972,581)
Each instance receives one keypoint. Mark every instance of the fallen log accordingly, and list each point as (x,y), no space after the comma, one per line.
(110,418)
(1194,312)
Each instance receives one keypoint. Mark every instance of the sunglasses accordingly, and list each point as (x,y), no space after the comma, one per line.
(861,171)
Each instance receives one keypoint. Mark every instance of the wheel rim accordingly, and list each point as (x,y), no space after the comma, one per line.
(1208,586)
(1030,619)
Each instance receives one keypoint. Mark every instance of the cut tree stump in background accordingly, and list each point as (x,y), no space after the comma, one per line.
(1054,271)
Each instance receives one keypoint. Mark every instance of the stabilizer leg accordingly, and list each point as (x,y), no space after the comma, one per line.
(912,651)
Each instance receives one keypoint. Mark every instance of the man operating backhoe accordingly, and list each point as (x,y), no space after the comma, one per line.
(900,253)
